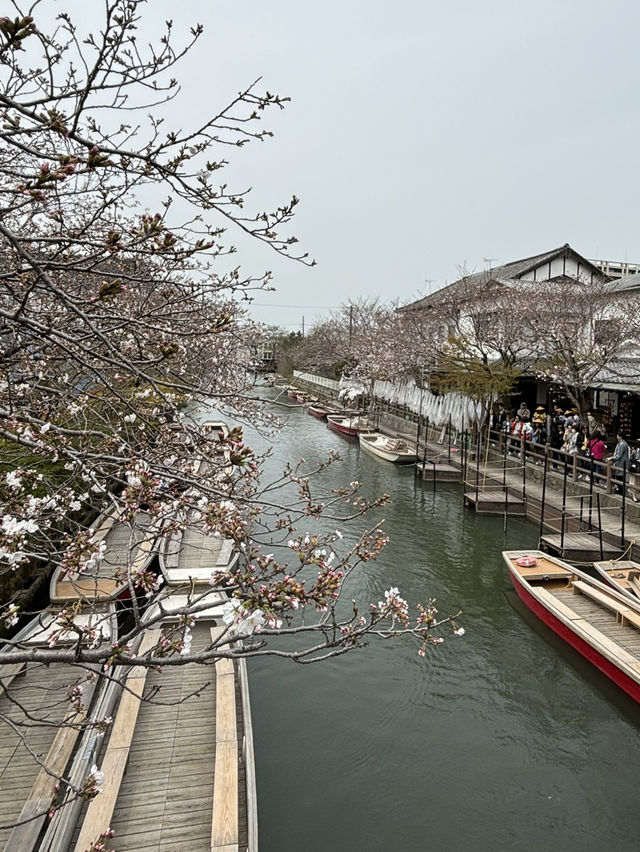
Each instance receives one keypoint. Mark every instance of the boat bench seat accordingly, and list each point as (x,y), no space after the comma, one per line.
(630,617)
(530,575)
(623,612)
(602,643)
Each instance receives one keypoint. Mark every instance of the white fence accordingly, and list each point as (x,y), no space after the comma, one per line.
(319,381)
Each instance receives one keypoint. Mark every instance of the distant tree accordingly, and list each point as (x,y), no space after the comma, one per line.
(580,333)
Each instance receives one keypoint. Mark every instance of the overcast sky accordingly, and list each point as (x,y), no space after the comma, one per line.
(424,135)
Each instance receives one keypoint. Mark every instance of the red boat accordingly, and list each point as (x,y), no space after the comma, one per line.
(322,409)
(351,425)
(598,621)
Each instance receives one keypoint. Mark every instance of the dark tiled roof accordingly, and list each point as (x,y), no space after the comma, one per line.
(499,274)
(621,285)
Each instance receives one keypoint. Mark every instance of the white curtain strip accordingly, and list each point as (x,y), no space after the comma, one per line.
(462,411)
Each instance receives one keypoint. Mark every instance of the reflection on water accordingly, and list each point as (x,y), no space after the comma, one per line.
(503,739)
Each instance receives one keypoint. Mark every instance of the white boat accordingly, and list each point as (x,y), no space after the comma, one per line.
(395,450)
(40,630)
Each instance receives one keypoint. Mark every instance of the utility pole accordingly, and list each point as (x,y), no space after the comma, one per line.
(303,325)
(350,323)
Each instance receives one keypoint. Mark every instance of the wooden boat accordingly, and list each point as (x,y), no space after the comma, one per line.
(205,739)
(322,410)
(41,730)
(39,631)
(128,548)
(623,575)
(600,622)
(351,425)
(192,557)
(395,450)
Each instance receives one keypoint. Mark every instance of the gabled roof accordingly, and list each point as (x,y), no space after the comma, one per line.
(513,271)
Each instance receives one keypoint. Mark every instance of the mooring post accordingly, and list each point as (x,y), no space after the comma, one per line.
(504,466)
(564,506)
(599,525)
(477,464)
(544,492)
(624,498)
(591,474)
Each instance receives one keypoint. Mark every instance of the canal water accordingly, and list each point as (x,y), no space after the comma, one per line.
(503,739)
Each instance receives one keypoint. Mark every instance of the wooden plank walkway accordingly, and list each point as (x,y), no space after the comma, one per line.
(494,503)
(579,547)
(439,470)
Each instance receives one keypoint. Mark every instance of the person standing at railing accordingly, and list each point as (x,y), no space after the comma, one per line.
(569,439)
(597,449)
(581,450)
(620,459)
(556,433)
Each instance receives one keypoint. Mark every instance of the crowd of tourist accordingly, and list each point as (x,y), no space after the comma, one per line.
(564,430)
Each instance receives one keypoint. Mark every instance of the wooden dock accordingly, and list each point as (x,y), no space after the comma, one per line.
(494,502)
(438,471)
(579,547)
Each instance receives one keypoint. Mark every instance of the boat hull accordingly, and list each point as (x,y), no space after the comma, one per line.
(373,444)
(561,629)
(348,426)
(316,411)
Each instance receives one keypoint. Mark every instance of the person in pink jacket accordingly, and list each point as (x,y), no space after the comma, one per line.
(597,450)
